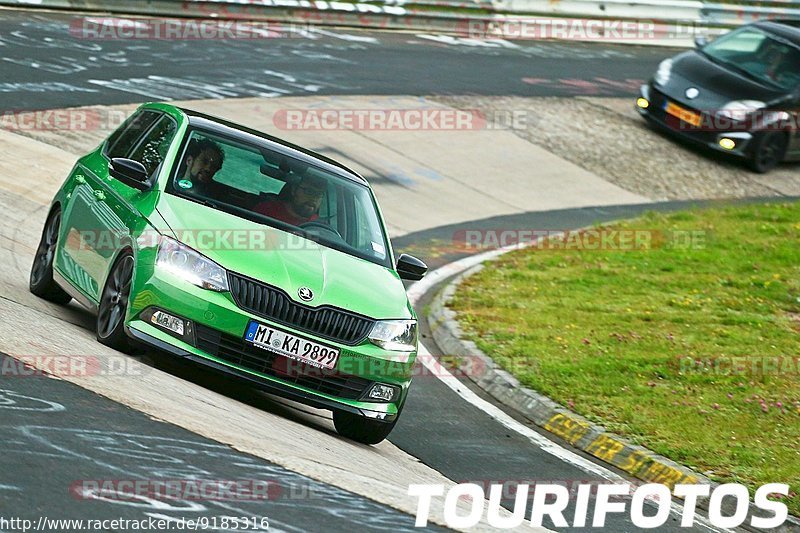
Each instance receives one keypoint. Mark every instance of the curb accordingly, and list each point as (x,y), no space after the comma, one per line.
(635,460)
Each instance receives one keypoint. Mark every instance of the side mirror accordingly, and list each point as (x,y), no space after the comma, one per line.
(411,268)
(700,41)
(129,172)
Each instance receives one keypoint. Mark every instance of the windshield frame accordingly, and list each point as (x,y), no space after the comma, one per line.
(257,143)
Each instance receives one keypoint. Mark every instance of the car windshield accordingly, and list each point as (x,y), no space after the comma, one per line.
(760,55)
(252,180)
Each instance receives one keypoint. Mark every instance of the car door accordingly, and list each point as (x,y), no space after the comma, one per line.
(103,212)
(793,152)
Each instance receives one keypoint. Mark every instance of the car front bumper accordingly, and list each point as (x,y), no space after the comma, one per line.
(214,338)
(712,138)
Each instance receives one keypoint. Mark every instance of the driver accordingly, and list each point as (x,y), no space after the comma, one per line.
(297,203)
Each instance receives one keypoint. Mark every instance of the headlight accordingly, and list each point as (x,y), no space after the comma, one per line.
(190,265)
(395,335)
(663,72)
(739,110)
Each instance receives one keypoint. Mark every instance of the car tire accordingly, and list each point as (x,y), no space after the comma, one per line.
(362,429)
(41,281)
(114,304)
(768,150)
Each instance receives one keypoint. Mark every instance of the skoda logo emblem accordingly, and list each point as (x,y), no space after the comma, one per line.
(305,294)
(692,93)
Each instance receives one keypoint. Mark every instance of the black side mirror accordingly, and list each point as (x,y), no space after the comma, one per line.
(700,41)
(411,268)
(129,172)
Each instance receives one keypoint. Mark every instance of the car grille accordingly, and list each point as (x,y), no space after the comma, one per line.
(274,304)
(238,352)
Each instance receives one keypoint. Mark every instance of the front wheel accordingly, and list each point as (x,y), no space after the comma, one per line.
(41,281)
(114,305)
(768,150)
(362,429)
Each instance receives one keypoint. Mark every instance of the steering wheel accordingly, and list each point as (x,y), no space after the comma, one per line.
(312,225)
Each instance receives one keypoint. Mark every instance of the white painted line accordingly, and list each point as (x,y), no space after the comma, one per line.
(345,36)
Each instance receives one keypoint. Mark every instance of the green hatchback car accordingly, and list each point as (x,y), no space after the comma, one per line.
(242,252)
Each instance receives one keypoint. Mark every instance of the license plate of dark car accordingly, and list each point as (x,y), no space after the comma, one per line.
(292,346)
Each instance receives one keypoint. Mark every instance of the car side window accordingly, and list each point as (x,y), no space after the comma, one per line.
(152,148)
(124,139)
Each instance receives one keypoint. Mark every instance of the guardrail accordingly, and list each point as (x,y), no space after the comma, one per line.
(697,11)
(678,20)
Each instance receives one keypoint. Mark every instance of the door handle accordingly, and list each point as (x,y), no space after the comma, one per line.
(100,195)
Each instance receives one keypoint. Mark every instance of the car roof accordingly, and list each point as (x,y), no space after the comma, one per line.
(789,29)
(244,134)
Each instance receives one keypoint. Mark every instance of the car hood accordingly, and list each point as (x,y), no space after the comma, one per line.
(286,261)
(717,85)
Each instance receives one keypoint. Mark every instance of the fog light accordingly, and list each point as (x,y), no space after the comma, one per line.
(643,103)
(172,323)
(383,393)
(728,144)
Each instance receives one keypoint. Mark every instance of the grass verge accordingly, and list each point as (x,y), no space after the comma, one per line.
(686,344)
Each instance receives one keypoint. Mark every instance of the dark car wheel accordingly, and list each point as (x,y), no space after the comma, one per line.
(361,429)
(114,304)
(41,281)
(768,150)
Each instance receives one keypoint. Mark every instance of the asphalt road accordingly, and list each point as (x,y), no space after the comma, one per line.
(66,454)
(90,437)
(44,66)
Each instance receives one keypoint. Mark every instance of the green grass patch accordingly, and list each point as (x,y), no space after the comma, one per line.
(689,347)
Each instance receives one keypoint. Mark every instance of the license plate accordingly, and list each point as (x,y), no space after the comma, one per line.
(292,346)
(690,117)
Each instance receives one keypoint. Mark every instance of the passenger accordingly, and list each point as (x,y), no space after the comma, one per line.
(297,203)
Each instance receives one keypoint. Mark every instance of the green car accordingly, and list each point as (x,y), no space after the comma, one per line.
(242,252)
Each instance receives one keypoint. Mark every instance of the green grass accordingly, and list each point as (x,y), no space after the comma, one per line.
(610,333)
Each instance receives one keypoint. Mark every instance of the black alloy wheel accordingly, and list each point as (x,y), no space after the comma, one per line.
(41,281)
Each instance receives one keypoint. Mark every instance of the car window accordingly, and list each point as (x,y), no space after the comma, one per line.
(368,236)
(258,182)
(152,148)
(239,161)
(124,139)
(737,43)
(760,55)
